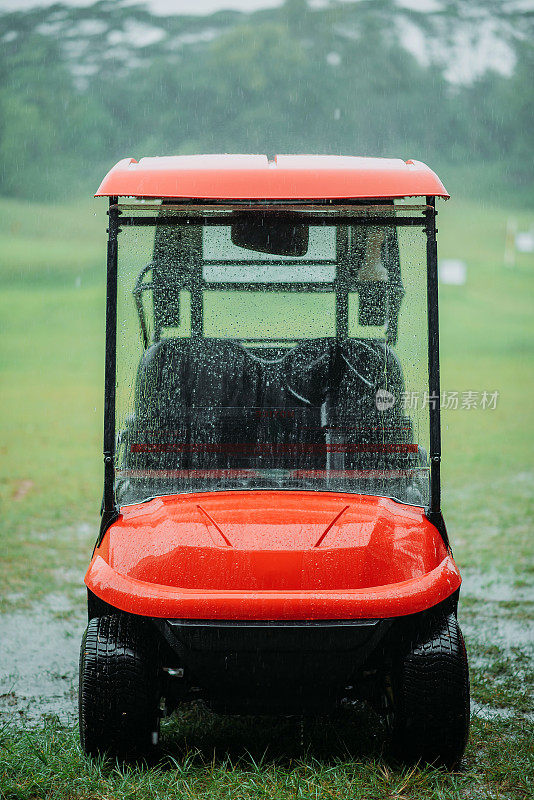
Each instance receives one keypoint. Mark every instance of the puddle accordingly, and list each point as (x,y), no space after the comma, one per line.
(39,662)
(489,623)
(39,647)
(65,575)
(494,587)
(86,529)
(484,711)
(496,629)
(14,597)
(84,532)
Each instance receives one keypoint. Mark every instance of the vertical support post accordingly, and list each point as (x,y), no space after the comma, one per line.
(341,282)
(197,309)
(433,357)
(109,509)
(197,287)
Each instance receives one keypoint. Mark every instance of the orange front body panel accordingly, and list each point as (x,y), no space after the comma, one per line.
(272,555)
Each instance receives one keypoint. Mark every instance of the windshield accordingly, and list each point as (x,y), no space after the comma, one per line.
(272,350)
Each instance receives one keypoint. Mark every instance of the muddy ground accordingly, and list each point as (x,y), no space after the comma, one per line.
(39,647)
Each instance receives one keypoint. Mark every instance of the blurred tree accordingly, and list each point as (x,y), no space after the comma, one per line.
(82,87)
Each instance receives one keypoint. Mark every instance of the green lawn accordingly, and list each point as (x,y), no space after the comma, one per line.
(52,266)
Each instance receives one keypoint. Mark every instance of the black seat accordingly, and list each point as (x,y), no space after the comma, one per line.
(372,439)
(216,404)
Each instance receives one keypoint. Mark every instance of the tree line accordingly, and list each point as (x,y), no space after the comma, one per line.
(75,98)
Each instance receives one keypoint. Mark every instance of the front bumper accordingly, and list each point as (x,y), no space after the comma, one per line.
(171,602)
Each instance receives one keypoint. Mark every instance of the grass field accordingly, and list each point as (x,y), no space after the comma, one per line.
(51,373)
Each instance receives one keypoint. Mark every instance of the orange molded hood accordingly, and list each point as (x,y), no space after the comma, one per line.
(272,541)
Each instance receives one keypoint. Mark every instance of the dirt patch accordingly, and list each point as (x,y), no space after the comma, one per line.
(22,489)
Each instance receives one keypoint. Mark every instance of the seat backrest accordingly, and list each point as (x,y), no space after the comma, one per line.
(370,430)
(250,410)
(228,406)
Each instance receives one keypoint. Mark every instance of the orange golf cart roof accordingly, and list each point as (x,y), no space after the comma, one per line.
(254,177)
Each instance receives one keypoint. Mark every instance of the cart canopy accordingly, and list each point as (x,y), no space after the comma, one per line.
(287,177)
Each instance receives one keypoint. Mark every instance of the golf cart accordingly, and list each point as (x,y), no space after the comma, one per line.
(271,538)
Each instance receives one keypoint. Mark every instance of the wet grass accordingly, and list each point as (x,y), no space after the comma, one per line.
(501,680)
(205,757)
(51,374)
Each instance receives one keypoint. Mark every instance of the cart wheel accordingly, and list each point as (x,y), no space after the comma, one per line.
(430,688)
(119,693)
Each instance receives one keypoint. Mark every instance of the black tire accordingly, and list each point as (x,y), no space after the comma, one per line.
(119,693)
(430,689)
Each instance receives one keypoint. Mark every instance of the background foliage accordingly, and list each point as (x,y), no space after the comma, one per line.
(83,87)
